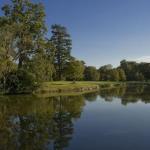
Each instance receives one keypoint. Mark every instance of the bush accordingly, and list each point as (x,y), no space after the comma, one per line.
(20,81)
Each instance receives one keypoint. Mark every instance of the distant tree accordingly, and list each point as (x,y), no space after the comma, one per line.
(139,76)
(104,72)
(106,67)
(74,70)
(136,71)
(130,68)
(113,75)
(91,74)
(122,76)
(63,44)
(144,68)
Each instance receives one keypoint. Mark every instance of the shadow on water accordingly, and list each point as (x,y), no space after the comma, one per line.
(29,122)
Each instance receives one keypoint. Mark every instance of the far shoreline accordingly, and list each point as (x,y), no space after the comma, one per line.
(60,88)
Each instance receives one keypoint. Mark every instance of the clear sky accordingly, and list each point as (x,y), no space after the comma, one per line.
(103,31)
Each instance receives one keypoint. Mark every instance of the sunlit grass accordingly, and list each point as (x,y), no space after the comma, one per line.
(70,86)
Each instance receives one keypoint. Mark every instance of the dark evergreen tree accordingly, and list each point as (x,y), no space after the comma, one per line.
(63,44)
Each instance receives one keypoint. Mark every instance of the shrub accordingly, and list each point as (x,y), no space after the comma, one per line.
(20,81)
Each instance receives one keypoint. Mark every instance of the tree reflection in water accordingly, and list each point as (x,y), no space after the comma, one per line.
(127,94)
(32,123)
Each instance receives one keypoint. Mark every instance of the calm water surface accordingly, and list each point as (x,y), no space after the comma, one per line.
(114,119)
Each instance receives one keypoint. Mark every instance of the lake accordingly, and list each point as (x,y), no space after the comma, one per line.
(111,119)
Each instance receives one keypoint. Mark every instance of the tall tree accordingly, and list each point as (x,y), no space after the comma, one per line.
(63,44)
(29,18)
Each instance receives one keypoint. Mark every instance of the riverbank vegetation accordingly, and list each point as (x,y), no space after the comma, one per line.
(59,87)
(29,58)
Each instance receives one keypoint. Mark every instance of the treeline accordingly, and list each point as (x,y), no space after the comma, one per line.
(28,56)
(128,93)
(127,71)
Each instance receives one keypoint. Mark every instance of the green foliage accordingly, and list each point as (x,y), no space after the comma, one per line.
(6,66)
(63,44)
(144,68)
(22,30)
(113,75)
(122,76)
(91,74)
(20,81)
(106,67)
(74,70)
(104,72)
(28,18)
(130,68)
(109,74)
(41,67)
(6,60)
(139,76)
(136,71)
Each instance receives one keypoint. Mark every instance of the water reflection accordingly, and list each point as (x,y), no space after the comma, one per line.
(29,122)
(127,94)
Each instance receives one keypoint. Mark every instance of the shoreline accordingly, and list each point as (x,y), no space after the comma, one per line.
(77,87)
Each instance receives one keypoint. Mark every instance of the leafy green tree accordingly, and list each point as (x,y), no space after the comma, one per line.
(104,72)
(122,76)
(144,68)
(130,68)
(6,53)
(91,74)
(29,19)
(106,67)
(41,63)
(74,70)
(63,44)
(41,67)
(136,71)
(139,76)
(113,75)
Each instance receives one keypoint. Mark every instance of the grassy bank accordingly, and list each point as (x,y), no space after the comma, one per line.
(79,86)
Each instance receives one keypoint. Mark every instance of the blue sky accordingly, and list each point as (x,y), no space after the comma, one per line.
(103,31)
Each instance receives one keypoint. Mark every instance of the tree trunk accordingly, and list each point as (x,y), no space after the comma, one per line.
(20,63)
